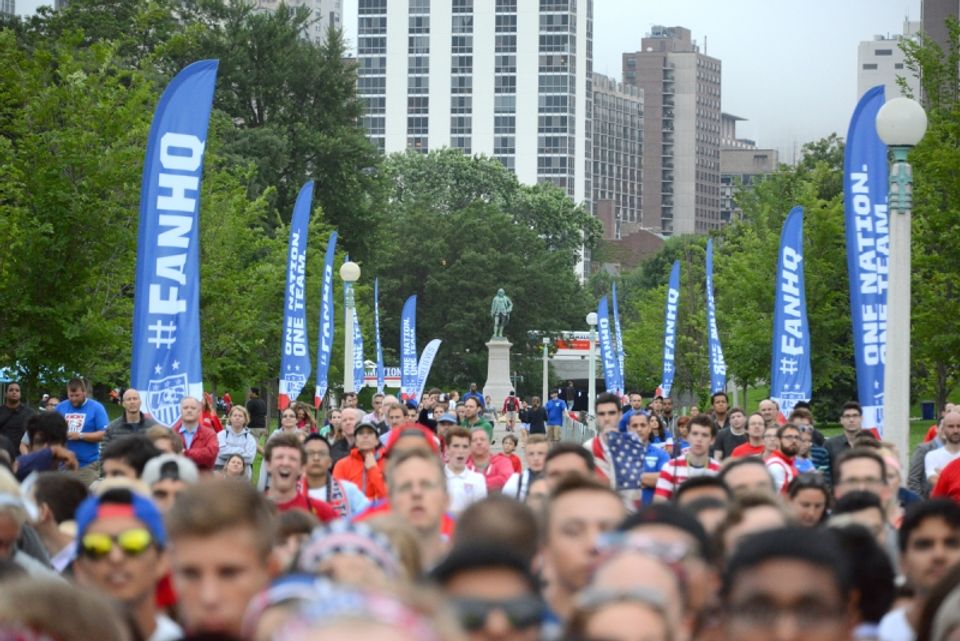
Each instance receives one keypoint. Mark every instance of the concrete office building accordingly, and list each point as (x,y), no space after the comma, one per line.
(681,133)
(8,8)
(506,78)
(324,12)
(881,61)
(742,165)
(617,149)
(933,16)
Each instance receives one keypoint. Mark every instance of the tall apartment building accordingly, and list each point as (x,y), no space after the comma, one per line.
(617,153)
(324,12)
(933,16)
(8,8)
(681,131)
(506,78)
(880,62)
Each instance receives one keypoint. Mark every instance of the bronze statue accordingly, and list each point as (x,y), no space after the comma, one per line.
(500,310)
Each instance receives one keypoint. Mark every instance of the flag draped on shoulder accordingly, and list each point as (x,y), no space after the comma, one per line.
(791,378)
(325,335)
(165,364)
(865,171)
(295,354)
(670,330)
(718,368)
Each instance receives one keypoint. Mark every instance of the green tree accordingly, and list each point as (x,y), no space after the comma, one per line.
(459,229)
(935,343)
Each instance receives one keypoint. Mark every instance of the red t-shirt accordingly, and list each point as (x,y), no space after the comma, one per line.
(320,509)
(747,450)
(515,460)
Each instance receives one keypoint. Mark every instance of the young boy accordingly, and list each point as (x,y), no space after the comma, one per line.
(509,444)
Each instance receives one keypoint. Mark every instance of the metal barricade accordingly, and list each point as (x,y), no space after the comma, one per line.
(575,431)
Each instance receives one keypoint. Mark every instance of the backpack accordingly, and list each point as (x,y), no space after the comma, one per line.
(511,403)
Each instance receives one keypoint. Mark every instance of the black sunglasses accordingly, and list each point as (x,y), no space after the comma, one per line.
(522,612)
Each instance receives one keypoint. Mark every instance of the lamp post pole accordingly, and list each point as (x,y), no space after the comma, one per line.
(901,123)
(349,273)
(546,371)
(592,372)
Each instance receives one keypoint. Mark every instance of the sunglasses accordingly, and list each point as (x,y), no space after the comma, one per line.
(522,612)
(133,543)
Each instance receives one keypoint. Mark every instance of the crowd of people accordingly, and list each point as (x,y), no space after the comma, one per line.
(407,521)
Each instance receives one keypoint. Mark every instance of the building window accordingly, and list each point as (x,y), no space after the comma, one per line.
(898,65)
(868,66)
(504,104)
(461,104)
(883,52)
(506,6)
(505,84)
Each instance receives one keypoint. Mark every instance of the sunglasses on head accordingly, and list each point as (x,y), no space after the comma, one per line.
(132,542)
(522,612)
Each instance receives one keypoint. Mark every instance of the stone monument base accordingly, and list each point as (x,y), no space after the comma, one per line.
(498,383)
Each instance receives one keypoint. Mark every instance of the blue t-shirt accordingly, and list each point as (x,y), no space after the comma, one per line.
(803,465)
(89,417)
(653,460)
(555,409)
(625,419)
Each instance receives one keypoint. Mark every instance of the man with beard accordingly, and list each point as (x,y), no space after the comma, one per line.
(343,496)
(780,461)
(936,460)
(13,420)
(284,458)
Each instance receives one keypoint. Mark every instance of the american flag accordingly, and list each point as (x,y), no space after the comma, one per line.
(627,452)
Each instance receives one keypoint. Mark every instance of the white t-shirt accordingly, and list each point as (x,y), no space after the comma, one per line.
(936,460)
(464,488)
(895,627)
(166,630)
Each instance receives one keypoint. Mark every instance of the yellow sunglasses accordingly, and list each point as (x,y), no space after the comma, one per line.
(132,542)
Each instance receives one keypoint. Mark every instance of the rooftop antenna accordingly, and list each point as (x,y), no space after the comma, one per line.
(704,44)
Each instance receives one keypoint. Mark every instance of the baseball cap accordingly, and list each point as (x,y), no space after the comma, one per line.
(366,425)
(117,503)
(170,466)
(447,418)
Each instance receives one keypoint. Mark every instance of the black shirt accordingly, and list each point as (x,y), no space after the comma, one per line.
(537,418)
(258,412)
(13,423)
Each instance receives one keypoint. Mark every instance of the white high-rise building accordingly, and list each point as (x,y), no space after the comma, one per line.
(880,62)
(506,78)
(324,12)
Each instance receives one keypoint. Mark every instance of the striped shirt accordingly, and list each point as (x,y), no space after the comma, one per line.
(677,470)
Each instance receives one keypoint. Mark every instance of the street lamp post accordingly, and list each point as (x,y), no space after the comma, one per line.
(349,274)
(592,371)
(901,123)
(546,371)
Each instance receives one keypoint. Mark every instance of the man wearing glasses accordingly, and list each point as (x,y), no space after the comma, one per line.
(851,418)
(493,593)
(121,553)
(816,602)
(780,462)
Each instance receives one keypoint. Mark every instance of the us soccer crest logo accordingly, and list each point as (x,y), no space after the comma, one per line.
(164,396)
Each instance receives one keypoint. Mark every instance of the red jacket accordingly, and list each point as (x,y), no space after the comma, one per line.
(203,451)
(499,469)
(370,481)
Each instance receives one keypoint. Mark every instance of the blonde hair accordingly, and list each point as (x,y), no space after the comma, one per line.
(240,408)
(159,432)
(12,501)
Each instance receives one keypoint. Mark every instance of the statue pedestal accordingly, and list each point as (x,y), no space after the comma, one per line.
(498,383)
